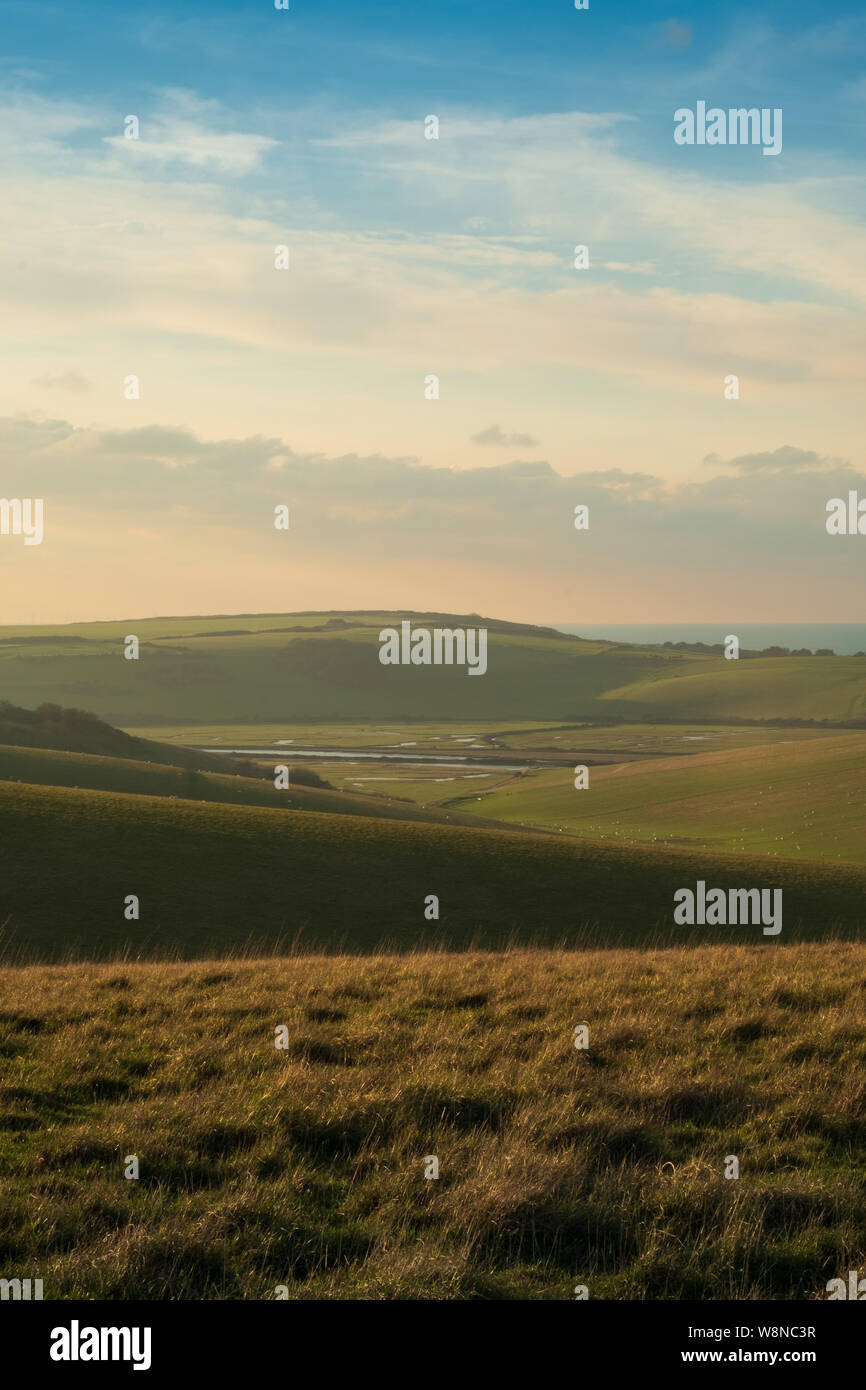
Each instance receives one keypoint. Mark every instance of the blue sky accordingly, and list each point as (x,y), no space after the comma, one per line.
(453,257)
(515,57)
(323,68)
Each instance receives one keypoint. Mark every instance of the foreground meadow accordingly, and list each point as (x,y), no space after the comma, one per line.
(305,1167)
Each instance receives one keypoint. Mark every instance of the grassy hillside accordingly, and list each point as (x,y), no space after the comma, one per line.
(802,799)
(216,879)
(70,730)
(48,768)
(305,1167)
(826,687)
(325,667)
(648,740)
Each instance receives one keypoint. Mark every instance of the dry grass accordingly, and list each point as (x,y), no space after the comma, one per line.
(306,1167)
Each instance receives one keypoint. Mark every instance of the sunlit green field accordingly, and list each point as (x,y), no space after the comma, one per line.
(802,799)
(653,739)
(825,687)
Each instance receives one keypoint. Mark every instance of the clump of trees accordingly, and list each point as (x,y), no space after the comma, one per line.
(55,726)
(308,777)
(747,652)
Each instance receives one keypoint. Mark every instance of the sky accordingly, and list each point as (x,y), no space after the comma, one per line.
(409,257)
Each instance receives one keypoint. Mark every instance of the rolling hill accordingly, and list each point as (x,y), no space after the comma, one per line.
(796,687)
(215,880)
(325,667)
(51,768)
(54,727)
(803,799)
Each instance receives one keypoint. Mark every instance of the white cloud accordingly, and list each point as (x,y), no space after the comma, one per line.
(494,435)
(66,381)
(158,520)
(111,261)
(174,141)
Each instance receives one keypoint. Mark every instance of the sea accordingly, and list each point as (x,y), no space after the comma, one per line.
(843,638)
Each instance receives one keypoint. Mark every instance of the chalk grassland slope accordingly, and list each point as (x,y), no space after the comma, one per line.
(278,667)
(49,768)
(260,675)
(817,687)
(217,879)
(648,739)
(804,799)
(77,731)
(305,1167)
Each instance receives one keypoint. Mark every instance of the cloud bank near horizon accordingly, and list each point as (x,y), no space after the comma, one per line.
(143,518)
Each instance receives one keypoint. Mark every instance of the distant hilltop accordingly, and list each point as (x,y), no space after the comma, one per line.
(314,666)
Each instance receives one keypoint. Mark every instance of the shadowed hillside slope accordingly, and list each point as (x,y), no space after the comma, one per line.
(68,730)
(326,666)
(47,768)
(215,879)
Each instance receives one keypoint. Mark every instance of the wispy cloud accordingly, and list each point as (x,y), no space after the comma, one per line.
(494,435)
(184,142)
(68,381)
